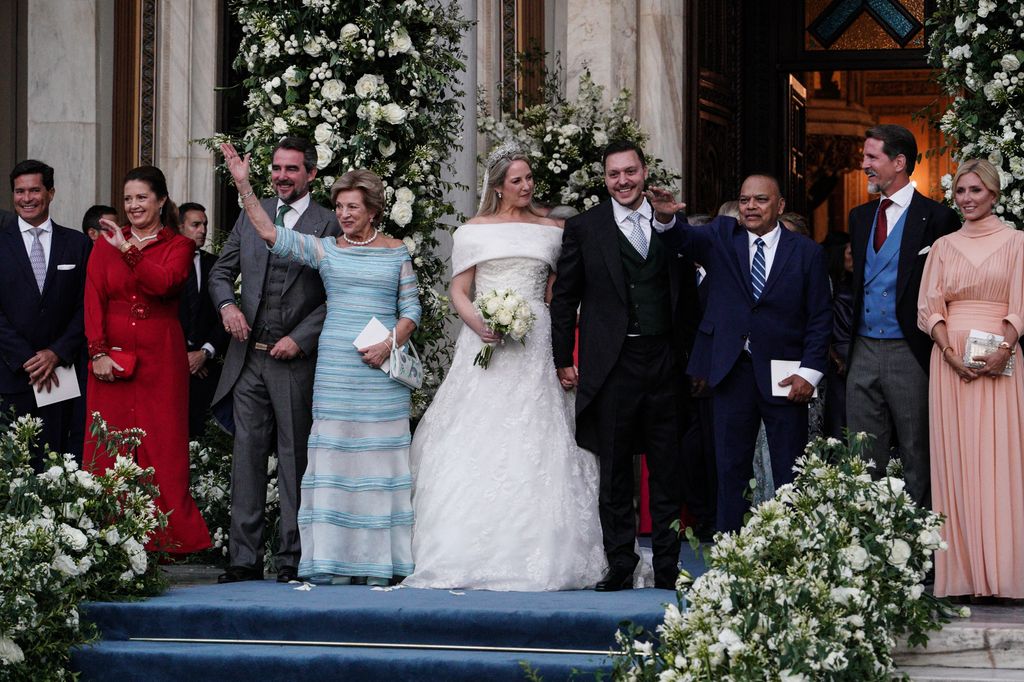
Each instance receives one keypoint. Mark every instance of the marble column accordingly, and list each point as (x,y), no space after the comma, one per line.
(659,94)
(187,35)
(601,36)
(67,101)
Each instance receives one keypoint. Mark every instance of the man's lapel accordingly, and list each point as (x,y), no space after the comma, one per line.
(910,245)
(783,250)
(609,245)
(741,246)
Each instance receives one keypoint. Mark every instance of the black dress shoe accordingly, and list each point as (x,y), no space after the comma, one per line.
(237,574)
(614,580)
(287,574)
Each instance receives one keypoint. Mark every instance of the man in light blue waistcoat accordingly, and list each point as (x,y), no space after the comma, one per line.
(887,384)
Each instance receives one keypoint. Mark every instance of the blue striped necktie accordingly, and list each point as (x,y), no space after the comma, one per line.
(757,270)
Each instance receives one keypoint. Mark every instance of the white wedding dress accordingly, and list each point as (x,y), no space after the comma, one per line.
(503,497)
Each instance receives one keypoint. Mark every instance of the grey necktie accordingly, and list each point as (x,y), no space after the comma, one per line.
(38,258)
(636,236)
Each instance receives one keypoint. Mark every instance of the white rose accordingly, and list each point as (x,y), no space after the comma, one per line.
(386,148)
(332,90)
(503,316)
(291,77)
(312,48)
(132,546)
(857,557)
(842,595)
(65,564)
(888,484)
(404,195)
(1009,62)
(73,537)
(138,562)
(393,113)
(410,245)
(349,32)
(275,99)
(324,155)
(916,591)
(323,133)
(401,213)
(929,538)
(112,536)
(366,86)
(899,552)
(835,661)
(788,675)
(10,652)
(518,330)
(400,42)
(731,640)
(491,305)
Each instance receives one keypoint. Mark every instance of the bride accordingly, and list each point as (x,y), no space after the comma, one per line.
(503,497)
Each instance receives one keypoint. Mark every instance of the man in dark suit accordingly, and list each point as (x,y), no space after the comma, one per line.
(887,363)
(41,305)
(768,299)
(205,338)
(268,370)
(632,296)
(92,217)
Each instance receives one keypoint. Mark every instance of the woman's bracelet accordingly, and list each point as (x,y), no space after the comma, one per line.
(96,357)
(945,349)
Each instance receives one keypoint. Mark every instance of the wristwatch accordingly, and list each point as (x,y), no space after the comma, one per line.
(1007,346)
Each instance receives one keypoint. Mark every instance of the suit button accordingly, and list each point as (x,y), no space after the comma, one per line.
(743,337)
(885,293)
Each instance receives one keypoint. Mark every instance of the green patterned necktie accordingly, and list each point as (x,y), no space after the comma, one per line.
(279,221)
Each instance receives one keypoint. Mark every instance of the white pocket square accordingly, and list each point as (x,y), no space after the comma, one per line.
(66,266)
(924,250)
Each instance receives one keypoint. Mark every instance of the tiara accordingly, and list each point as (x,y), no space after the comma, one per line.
(504,150)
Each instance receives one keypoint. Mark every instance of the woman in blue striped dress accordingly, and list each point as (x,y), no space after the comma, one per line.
(355,517)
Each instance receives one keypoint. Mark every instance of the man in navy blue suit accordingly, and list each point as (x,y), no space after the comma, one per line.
(42,287)
(768,299)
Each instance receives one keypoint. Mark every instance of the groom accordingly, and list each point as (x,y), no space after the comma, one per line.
(631,293)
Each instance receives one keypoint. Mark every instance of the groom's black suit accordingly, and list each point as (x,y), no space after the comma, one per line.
(629,395)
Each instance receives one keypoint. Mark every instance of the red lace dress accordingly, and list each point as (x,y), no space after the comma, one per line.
(131,303)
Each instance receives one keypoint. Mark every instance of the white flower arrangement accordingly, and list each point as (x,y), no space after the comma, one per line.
(67,535)
(979,65)
(564,136)
(507,312)
(818,584)
(375,84)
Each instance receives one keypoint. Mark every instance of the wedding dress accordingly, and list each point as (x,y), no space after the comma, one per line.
(503,497)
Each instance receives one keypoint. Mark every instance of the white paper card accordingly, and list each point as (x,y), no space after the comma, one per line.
(67,390)
(373,332)
(782,369)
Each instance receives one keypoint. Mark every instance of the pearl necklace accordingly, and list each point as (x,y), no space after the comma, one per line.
(353,242)
(143,240)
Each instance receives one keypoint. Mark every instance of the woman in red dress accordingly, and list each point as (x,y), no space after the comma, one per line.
(132,289)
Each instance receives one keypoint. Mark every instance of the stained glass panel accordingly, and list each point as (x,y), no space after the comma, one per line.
(864,24)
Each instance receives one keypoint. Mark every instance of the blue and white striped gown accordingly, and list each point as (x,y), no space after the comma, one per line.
(355,517)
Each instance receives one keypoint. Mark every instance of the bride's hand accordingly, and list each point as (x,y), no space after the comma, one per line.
(488,335)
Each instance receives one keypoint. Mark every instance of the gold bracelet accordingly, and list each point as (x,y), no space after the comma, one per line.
(946,348)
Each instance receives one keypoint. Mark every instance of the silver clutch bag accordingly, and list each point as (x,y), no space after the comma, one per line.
(406,367)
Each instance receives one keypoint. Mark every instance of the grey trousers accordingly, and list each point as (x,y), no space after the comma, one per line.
(887,396)
(273,402)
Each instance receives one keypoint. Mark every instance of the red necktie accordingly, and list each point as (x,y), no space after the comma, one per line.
(882,225)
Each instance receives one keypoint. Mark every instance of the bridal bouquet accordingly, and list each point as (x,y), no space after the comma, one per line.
(507,313)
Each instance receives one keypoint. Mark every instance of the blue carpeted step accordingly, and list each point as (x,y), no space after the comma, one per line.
(159,662)
(269,611)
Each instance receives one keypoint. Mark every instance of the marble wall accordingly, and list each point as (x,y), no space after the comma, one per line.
(186,107)
(69,49)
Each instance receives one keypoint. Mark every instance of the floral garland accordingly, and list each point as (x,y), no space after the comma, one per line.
(66,536)
(567,139)
(816,586)
(978,47)
(374,83)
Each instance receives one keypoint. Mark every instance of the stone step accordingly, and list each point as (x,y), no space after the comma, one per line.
(990,641)
(923,673)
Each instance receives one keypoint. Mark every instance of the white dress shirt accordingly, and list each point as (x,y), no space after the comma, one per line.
(299,207)
(900,202)
(44,238)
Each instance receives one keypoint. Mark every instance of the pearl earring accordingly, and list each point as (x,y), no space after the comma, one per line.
(499,194)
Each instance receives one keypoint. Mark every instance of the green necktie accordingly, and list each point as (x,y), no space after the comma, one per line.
(279,221)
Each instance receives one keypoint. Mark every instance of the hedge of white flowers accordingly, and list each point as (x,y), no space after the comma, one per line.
(817,585)
(374,84)
(567,138)
(66,536)
(978,47)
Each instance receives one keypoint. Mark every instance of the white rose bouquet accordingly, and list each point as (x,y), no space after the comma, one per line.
(506,312)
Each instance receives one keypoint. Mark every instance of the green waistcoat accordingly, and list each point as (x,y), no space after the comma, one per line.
(647,287)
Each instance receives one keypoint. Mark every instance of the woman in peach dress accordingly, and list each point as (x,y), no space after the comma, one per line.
(974,279)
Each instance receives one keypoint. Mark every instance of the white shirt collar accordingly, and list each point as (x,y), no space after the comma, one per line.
(902,196)
(47,225)
(622,213)
(770,239)
(299,205)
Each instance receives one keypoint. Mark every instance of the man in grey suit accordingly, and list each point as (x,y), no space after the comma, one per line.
(268,370)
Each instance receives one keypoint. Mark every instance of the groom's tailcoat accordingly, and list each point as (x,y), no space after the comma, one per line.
(591,277)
